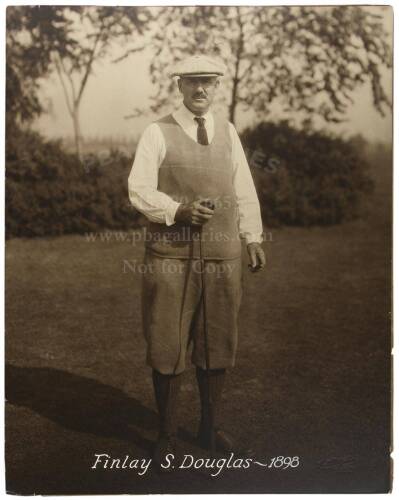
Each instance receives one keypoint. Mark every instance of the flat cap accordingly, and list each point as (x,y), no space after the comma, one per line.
(199,65)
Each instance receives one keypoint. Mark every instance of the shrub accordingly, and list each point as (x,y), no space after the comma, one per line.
(305,178)
(302,179)
(50,192)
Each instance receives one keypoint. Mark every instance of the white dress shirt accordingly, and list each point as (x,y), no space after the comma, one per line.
(159,207)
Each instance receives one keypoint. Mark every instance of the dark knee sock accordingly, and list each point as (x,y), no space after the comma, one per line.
(213,389)
(166,389)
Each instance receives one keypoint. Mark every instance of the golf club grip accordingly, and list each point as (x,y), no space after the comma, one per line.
(208,204)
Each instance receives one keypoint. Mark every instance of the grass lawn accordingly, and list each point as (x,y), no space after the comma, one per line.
(312,375)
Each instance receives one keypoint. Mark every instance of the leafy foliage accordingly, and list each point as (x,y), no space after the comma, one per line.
(33,34)
(48,192)
(306,178)
(309,59)
(301,179)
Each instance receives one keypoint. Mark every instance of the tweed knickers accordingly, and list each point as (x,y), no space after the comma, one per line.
(173,315)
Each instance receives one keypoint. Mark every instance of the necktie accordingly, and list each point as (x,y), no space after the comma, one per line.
(202,136)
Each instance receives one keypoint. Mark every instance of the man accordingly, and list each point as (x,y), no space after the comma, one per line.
(191,179)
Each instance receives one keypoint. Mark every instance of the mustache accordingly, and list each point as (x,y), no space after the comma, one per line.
(197,96)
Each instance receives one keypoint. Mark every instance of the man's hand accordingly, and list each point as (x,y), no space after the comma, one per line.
(256,256)
(195,213)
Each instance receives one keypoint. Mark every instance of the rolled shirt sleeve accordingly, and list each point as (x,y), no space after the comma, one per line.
(143,179)
(250,221)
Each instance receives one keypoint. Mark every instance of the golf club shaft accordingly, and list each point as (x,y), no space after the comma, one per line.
(206,342)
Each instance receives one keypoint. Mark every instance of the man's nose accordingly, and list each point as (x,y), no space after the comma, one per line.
(200,88)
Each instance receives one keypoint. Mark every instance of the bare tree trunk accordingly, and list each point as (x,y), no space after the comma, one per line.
(236,79)
(74,97)
(77,133)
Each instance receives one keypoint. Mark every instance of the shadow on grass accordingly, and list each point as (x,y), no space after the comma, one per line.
(79,403)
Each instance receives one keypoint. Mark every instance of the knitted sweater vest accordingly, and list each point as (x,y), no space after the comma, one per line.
(190,171)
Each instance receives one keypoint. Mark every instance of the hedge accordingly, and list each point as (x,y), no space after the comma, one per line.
(302,179)
(306,178)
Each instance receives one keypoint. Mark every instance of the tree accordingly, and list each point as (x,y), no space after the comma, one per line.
(310,59)
(96,31)
(68,40)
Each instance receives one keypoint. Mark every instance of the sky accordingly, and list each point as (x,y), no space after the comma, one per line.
(114,90)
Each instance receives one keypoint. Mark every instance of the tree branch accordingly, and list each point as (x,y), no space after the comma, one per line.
(128,53)
(89,64)
(69,76)
(59,72)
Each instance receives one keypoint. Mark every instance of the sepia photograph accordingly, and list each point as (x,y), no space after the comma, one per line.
(198,249)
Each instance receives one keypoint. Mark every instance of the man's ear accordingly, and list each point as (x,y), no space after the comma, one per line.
(179,84)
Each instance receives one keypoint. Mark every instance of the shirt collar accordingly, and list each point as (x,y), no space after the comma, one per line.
(188,117)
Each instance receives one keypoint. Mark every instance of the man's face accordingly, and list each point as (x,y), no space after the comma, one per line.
(198,92)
